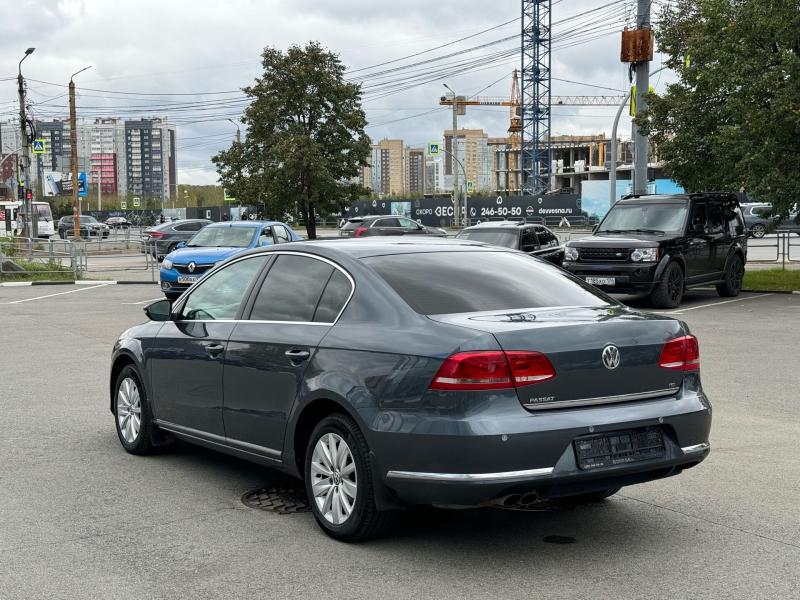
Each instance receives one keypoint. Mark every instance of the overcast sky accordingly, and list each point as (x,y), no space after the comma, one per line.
(145,47)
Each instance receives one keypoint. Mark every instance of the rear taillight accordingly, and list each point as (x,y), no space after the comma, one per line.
(492,370)
(155,234)
(680,354)
(360,231)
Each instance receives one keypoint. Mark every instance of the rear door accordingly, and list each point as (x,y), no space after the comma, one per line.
(186,364)
(719,236)
(268,353)
(698,253)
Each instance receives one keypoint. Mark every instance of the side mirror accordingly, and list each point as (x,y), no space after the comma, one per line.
(698,228)
(181,245)
(420,227)
(160,310)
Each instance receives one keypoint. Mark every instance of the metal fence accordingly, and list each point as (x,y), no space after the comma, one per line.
(783,248)
(25,257)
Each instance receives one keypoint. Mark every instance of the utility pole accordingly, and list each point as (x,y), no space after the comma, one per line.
(640,142)
(454,153)
(238,131)
(25,147)
(73,147)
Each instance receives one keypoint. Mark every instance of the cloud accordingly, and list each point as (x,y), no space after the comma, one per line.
(182,46)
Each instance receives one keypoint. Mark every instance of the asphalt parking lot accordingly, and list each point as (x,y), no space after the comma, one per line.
(80,518)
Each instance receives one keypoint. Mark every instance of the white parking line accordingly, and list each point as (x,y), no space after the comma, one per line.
(58,294)
(683,310)
(143,301)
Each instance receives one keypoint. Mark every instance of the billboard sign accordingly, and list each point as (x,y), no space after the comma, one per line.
(60,184)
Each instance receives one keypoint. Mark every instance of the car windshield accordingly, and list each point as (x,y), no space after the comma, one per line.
(495,237)
(657,218)
(229,237)
(87,219)
(447,282)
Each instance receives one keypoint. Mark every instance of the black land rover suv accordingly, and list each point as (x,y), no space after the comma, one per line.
(660,245)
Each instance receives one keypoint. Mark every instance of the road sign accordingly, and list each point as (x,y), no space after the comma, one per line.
(227,197)
(82,187)
(470,186)
(433,148)
(123,205)
(136,202)
(39,146)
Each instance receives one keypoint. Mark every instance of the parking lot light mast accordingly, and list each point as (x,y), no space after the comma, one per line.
(456,191)
(73,146)
(24,143)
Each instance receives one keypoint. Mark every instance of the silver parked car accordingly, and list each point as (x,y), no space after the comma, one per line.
(162,239)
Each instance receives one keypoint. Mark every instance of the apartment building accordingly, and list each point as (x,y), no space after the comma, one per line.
(472,149)
(386,171)
(415,171)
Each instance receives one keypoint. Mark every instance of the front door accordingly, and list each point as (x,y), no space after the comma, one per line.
(186,364)
(698,254)
(268,353)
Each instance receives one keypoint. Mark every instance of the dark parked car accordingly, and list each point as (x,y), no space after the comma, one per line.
(118,223)
(536,240)
(660,245)
(759,219)
(162,239)
(386,225)
(89,227)
(386,375)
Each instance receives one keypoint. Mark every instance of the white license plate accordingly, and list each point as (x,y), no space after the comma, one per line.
(601,280)
(188,278)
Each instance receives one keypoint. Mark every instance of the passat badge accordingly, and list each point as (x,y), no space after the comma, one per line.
(610,357)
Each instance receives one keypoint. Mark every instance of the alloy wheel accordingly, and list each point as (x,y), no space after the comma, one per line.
(129,410)
(675,284)
(334,482)
(737,275)
(759,231)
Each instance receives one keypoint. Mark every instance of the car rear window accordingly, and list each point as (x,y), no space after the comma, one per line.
(459,282)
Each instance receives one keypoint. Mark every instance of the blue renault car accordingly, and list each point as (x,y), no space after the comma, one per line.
(213,244)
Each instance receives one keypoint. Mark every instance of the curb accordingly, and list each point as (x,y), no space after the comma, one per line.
(772,291)
(79,282)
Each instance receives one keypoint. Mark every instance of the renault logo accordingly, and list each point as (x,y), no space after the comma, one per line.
(611,357)
(191,266)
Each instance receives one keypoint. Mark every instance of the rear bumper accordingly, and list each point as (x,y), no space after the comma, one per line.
(631,278)
(523,452)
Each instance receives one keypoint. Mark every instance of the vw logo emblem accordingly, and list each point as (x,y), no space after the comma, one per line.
(191,266)
(610,357)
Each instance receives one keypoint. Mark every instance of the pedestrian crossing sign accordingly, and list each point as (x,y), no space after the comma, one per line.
(38,146)
(433,148)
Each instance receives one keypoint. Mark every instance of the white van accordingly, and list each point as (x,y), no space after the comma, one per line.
(10,225)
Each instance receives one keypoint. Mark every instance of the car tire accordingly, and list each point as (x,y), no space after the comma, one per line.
(333,485)
(758,230)
(171,247)
(669,290)
(130,403)
(731,284)
(589,498)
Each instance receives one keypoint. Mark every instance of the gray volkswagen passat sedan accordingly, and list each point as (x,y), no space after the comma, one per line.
(392,373)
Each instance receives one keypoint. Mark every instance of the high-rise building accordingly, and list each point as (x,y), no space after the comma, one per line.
(472,149)
(119,157)
(434,175)
(415,171)
(386,168)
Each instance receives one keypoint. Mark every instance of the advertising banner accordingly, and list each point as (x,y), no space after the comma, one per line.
(60,184)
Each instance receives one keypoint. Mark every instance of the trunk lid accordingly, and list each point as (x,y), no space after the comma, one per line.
(574,340)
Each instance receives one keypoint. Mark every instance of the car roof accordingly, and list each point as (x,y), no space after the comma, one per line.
(676,198)
(246,224)
(502,225)
(380,246)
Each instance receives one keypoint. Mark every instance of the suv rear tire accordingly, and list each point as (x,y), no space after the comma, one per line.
(669,290)
(731,284)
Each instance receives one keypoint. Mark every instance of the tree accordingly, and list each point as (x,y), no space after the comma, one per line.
(732,122)
(305,139)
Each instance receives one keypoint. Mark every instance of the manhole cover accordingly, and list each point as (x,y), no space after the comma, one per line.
(281,499)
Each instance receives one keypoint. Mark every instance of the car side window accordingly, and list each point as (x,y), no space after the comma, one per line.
(265,237)
(529,242)
(391,222)
(716,220)
(281,235)
(220,295)
(333,299)
(733,215)
(408,224)
(699,215)
(291,290)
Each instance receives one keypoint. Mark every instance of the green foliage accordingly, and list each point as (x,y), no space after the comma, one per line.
(199,195)
(305,137)
(732,122)
(772,279)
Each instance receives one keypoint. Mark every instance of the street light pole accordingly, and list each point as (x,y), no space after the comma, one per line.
(460,164)
(26,159)
(238,131)
(73,146)
(456,190)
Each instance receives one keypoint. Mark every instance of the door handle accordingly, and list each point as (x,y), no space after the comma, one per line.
(297,355)
(214,349)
